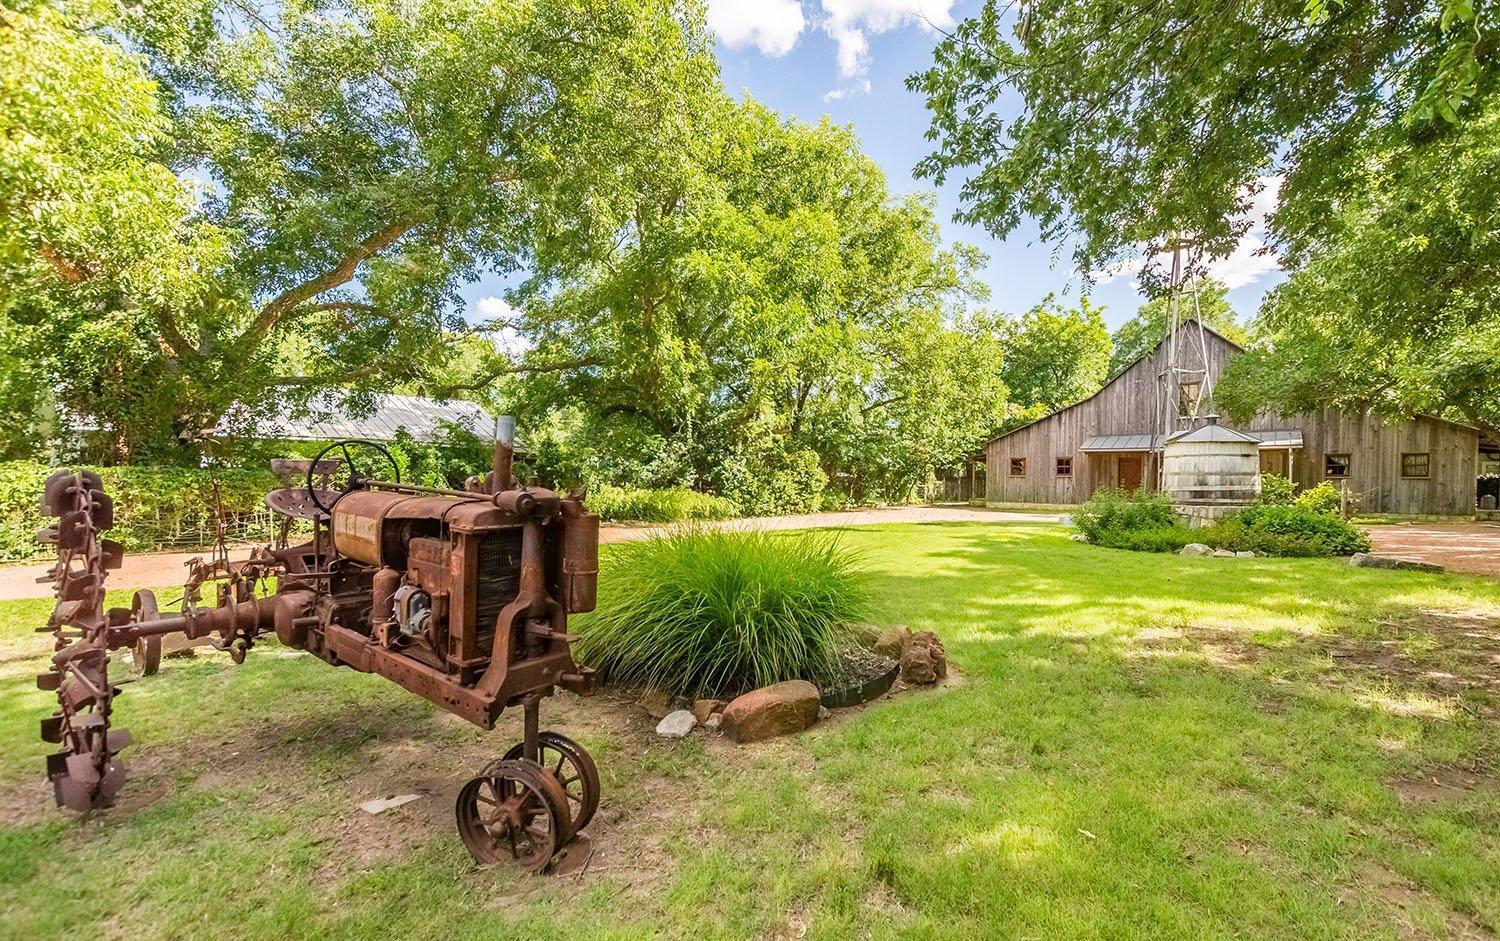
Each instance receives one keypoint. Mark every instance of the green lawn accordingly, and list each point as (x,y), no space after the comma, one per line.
(1137,746)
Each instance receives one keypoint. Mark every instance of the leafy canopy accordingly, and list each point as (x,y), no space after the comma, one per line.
(1137,123)
(1055,356)
(359,161)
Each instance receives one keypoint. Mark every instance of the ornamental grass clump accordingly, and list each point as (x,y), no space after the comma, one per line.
(705,611)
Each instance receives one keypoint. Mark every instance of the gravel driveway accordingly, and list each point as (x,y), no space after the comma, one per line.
(157,569)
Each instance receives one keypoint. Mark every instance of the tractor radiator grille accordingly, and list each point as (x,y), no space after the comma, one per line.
(499,576)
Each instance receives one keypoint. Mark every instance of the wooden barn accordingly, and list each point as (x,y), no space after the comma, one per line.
(1422,465)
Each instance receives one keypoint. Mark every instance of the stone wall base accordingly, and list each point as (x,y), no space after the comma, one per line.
(1199,515)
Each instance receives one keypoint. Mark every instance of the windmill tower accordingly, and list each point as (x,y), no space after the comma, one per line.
(1184,383)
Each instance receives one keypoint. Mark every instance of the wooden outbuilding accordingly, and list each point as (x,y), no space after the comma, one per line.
(1114,438)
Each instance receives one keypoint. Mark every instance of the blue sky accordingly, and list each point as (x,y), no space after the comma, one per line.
(848,59)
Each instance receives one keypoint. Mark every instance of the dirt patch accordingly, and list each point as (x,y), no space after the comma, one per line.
(1415,909)
(1448,655)
(1445,783)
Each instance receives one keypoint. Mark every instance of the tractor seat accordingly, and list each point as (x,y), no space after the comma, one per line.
(297,503)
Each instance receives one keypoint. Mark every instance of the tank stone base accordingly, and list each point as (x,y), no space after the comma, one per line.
(1199,515)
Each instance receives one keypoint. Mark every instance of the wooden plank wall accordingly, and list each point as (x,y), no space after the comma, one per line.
(1127,405)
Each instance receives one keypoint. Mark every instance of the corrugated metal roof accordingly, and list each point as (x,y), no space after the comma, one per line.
(1280,438)
(336,414)
(1277,439)
(1119,443)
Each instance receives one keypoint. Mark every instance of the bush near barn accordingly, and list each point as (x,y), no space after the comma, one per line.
(1281,524)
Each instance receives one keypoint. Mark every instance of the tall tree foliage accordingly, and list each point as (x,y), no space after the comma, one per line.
(772,319)
(1397,307)
(363,158)
(1055,356)
(1138,123)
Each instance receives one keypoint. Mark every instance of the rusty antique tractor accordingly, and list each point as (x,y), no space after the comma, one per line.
(461,596)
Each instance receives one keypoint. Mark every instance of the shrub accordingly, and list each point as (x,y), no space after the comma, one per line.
(673,505)
(1276,490)
(155,507)
(1286,531)
(705,611)
(1136,520)
(1323,498)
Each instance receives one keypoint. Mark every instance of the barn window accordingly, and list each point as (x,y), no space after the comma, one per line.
(1065,467)
(1417,464)
(1335,465)
(1018,467)
(1187,398)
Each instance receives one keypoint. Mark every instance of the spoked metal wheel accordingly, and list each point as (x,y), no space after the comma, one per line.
(567,761)
(145,654)
(514,811)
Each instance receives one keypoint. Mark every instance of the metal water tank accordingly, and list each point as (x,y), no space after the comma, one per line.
(1210,472)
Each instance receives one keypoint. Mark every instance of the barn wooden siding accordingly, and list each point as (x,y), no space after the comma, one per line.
(1127,405)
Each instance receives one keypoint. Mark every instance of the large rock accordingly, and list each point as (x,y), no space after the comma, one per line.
(891,641)
(676,724)
(778,709)
(1369,561)
(1196,548)
(1223,554)
(924,660)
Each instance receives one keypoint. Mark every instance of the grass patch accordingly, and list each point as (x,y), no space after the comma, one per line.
(1143,747)
(709,611)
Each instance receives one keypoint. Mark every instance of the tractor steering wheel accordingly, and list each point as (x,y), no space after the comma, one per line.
(356,479)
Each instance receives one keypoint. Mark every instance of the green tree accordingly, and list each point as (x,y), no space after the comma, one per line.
(1418,245)
(363,159)
(1055,356)
(1140,334)
(771,321)
(1139,124)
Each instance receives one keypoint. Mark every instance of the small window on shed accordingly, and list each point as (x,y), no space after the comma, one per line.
(1018,467)
(1418,464)
(1335,465)
(1187,398)
(1065,467)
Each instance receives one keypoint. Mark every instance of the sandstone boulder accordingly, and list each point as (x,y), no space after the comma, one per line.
(778,709)
(924,660)
(1196,548)
(655,703)
(1223,554)
(891,641)
(703,708)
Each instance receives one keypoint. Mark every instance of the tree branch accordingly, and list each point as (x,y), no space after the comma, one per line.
(271,314)
(491,375)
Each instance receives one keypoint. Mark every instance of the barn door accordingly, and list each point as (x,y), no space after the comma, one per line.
(1130,471)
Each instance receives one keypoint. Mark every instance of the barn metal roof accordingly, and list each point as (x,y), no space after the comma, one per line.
(337,414)
(1280,438)
(1120,443)
(1277,439)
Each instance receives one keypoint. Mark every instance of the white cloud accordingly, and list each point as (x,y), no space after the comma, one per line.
(507,340)
(851,22)
(858,88)
(1243,266)
(772,26)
